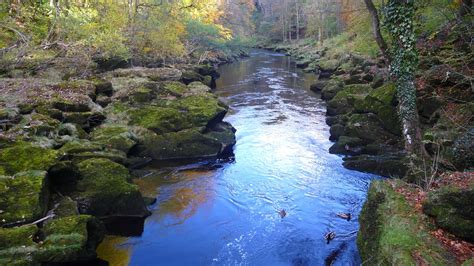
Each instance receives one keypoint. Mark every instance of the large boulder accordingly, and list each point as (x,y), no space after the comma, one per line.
(384,165)
(392,233)
(107,192)
(453,210)
(17,246)
(331,88)
(24,197)
(189,143)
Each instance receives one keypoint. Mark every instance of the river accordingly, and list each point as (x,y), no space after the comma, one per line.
(230,214)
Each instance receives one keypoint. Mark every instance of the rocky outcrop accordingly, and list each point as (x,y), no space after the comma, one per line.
(66,150)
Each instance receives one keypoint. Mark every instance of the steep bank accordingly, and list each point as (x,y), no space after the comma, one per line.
(361,109)
(67,148)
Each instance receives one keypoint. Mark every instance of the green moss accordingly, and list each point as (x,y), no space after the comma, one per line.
(328,64)
(113,136)
(188,112)
(69,239)
(17,246)
(24,197)
(107,192)
(175,88)
(23,156)
(79,146)
(392,233)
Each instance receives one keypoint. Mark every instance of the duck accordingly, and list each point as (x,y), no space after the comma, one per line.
(282,213)
(329,236)
(345,215)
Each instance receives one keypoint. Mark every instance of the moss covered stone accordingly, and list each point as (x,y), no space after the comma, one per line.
(188,112)
(382,102)
(24,197)
(332,87)
(343,101)
(107,192)
(453,210)
(190,143)
(114,136)
(23,156)
(17,246)
(392,233)
(70,239)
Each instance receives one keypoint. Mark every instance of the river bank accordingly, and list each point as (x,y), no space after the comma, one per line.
(67,148)
(361,109)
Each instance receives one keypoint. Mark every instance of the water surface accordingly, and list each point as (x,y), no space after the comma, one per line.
(229,215)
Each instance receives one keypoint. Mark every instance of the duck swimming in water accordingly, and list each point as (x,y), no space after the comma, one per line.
(282,213)
(344,215)
(329,236)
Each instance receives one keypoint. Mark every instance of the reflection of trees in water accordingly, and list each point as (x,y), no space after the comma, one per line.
(114,250)
(180,193)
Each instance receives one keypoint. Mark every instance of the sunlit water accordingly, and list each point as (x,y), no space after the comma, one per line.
(229,216)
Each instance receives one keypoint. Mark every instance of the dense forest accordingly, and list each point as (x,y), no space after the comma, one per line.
(94,91)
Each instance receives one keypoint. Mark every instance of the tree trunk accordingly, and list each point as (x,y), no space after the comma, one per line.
(297,20)
(376,28)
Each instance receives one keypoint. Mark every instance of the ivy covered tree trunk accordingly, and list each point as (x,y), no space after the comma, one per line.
(399,20)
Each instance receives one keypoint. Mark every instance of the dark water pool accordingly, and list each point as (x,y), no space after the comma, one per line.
(229,216)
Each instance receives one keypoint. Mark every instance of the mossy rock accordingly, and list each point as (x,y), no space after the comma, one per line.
(343,101)
(80,146)
(183,113)
(328,65)
(23,156)
(191,76)
(462,151)
(347,145)
(72,130)
(118,137)
(332,87)
(174,88)
(366,127)
(65,207)
(24,197)
(382,102)
(198,88)
(70,239)
(17,246)
(453,210)
(39,125)
(187,144)
(107,192)
(393,233)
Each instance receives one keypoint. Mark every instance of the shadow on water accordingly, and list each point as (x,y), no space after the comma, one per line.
(230,213)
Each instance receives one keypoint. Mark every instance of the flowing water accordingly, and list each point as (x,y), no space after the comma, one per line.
(230,215)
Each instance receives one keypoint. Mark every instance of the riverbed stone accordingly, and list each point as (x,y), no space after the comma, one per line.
(113,136)
(343,101)
(17,246)
(332,87)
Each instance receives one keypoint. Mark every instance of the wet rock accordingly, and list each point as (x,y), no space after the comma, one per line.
(207,70)
(392,233)
(107,192)
(24,197)
(452,210)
